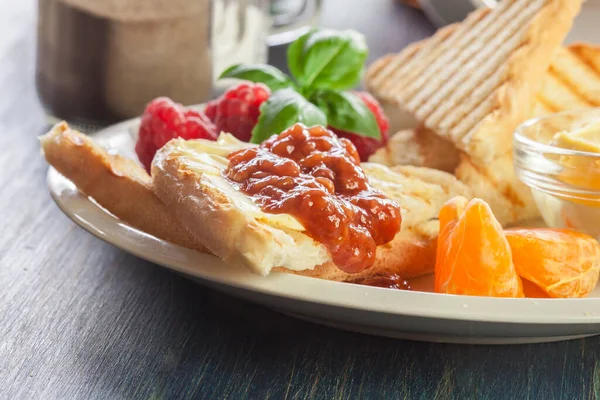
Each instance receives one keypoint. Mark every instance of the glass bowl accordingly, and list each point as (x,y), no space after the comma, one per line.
(565,183)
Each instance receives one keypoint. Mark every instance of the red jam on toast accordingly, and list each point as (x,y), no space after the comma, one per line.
(316,177)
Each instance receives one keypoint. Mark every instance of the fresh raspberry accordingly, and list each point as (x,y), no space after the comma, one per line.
(366,145)
(237,111)
(164,120)
(211,109)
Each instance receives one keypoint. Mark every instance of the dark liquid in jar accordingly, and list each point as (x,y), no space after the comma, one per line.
(316,177)
(99,62)
(71,59)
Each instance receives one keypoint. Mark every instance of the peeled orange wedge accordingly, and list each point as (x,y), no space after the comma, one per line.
(533,291)
(473,256)
(561,262)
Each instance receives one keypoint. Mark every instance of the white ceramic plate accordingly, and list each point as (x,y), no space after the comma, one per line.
(402,314)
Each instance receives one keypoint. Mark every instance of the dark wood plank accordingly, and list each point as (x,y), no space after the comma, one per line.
(80,319)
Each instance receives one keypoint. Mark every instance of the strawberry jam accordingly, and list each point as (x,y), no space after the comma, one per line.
(316,177)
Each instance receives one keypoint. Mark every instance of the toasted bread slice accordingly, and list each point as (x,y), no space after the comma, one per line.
(419,147)
(572,81)
(116,183)
(475,82)
(235,229)
(225,220)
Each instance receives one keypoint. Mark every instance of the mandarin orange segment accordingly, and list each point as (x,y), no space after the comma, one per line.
(451,212)
(473,256)
(533,291)
(561,262)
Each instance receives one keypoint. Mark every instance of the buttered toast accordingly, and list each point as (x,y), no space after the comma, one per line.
(124,188)
(206,203)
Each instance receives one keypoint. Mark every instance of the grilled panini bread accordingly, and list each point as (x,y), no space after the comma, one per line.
(124,188)
(572,81)
(187,176)
(474,82)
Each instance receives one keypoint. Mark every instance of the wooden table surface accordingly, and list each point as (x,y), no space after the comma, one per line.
(80,319)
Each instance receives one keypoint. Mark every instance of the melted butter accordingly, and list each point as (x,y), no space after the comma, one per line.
(581,170)
(586,139)
(210,159)
(582,211)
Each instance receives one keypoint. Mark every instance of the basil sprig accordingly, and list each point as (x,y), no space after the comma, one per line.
(328,59)
(324,64)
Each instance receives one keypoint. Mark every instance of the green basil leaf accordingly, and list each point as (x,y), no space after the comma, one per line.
(262,73)
(283,109)
(347,112)
(294,55)
(328,59)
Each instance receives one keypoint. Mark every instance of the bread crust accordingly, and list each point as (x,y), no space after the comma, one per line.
(116,183)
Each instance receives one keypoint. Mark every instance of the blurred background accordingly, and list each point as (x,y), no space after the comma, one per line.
(101,61)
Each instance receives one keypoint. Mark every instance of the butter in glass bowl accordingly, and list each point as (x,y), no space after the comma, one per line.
(558,157)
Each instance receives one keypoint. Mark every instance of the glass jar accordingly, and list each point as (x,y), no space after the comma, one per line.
(240,30)
(102,61)
(292,18)
(240,25)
